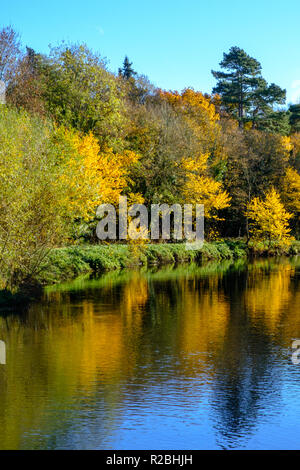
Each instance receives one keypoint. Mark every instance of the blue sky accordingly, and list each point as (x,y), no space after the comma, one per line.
(175,43)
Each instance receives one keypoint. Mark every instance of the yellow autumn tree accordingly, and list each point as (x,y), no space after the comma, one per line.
(201,188)
(192,102)
(291,190)
(291,195)
(92,175)
(287,146)
(49,178)
(268,219)
(200,113)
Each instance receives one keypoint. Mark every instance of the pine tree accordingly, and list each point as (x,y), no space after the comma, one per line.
(276,122)
(127,71)
(32,59)
(244,92)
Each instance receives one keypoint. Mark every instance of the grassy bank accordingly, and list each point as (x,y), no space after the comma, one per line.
(69,262)
(266,248)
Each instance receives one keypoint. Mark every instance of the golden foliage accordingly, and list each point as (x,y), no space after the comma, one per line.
(269,218)
(286,143)
(192,102)
(200,188)
(94,175)
(201,115)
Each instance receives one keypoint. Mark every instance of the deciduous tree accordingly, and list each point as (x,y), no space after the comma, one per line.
(269,219)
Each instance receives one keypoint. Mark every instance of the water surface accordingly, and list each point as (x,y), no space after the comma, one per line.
(182,358)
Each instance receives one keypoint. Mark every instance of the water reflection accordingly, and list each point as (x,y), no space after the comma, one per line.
(187,357)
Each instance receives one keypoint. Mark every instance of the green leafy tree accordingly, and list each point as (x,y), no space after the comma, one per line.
(81,93)
(255,161)
(33,217)
(162,138)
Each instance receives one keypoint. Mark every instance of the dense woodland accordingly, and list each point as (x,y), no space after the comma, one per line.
(74,135)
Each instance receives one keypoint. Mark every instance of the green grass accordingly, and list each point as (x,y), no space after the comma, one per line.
(266,248)
(67,263)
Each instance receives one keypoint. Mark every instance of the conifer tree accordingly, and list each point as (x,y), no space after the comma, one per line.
(244,92)
(127,71)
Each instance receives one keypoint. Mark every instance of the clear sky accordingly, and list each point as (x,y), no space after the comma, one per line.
(175,43)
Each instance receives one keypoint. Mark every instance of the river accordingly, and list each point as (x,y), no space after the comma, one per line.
(188,357)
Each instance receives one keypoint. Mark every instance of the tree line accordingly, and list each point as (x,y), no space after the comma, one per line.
(73,135)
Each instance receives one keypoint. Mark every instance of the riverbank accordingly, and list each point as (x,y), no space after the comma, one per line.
(67,263)
(70,262)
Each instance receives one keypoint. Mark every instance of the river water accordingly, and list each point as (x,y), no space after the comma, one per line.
(193,357)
